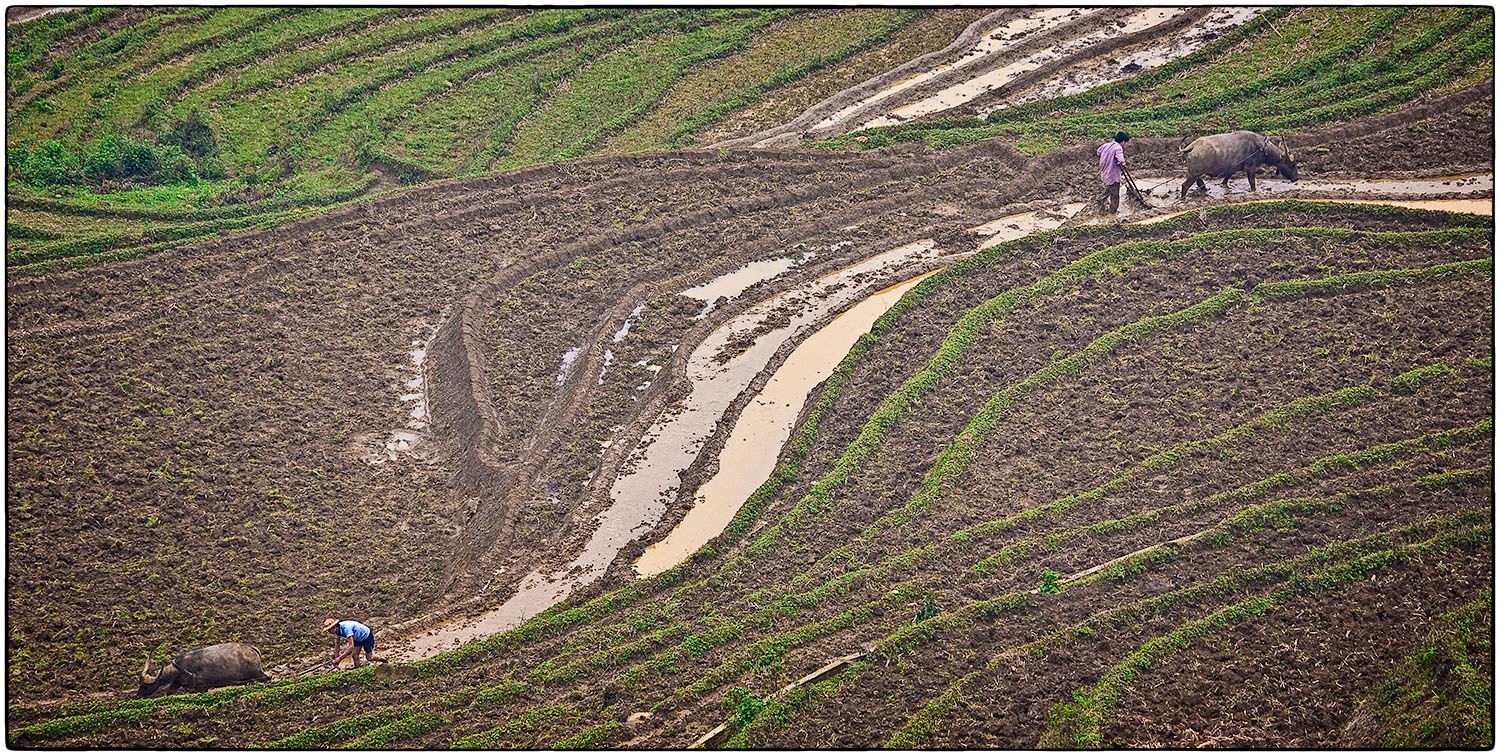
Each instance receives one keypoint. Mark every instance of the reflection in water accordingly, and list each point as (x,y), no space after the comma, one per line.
(968,90)
(1004,36)
(763,427)
(749,456)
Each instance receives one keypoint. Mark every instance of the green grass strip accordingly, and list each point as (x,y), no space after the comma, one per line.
(342,730)
(901,642)
(407,727)
(923,726)
(978,320)
(780,713)
(683,134)
(526,724)
(804,438)
(791,604)
(1079,723)
(1440,695)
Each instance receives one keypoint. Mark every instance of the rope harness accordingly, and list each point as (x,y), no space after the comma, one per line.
(1261,150)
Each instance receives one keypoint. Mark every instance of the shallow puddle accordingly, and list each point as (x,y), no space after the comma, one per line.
(1001,37)
(1476,206)
(402,441)
(1162,192)
(968,90)
(1128,63)
(569,359)
(735,282)
(1165,188)
(1014,227)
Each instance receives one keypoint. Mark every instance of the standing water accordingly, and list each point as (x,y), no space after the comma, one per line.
(749,456)
(640,496)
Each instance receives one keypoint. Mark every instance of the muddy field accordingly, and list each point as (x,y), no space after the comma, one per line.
(1086,470)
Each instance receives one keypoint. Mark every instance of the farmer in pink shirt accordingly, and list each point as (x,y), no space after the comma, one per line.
(1111,162)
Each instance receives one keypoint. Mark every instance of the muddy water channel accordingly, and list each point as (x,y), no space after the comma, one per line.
(764,426)
(1002,37)
(1101,70)
(720,369)
(726,363)
(965,91)
(1484,206)
(1162,190)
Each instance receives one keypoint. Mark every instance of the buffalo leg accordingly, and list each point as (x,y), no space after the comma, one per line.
(1250,174)
(1189,183)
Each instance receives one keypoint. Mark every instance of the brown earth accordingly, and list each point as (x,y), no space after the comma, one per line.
(187,430)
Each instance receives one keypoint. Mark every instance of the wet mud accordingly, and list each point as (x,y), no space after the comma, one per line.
(231,394)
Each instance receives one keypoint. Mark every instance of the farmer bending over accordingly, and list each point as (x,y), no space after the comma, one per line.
(1111,163)
(348,638)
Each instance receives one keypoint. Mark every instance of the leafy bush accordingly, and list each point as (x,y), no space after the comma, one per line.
(174,165)
(51,164)
(746,706)
(138,159)
(1049,582)
(108,160)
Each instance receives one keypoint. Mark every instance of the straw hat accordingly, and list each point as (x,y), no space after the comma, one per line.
(329,623)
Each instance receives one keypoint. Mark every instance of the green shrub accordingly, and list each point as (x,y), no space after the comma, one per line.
(174,166)
(744,704)
(138,159)
(52,164)
(1050,580)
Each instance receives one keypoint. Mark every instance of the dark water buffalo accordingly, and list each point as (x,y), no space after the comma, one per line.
(203,668)
(1223,155)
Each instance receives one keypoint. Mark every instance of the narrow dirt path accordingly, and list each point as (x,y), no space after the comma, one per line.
(20,14)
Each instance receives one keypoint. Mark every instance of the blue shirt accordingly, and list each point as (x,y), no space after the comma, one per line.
(350,627)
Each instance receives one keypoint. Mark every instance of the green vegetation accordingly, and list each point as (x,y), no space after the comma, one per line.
(1077,724)
(904,582)
(785,53)
(1441,695)
(1288,68)
(923,725)
(180,125)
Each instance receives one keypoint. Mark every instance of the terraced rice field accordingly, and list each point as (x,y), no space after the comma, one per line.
(303,109)
(617,445)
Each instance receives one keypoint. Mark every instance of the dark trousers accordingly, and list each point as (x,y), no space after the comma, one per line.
(1110,202)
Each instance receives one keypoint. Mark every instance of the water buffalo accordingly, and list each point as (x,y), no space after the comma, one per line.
(1223,155)
(204,668)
